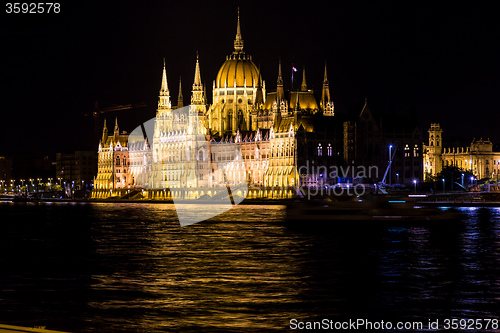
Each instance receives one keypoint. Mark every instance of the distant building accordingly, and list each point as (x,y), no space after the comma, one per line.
(478,158)
(78,168)
(370,138)
(5,169)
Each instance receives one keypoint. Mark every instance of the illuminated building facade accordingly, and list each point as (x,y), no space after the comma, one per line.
(113,163)
(479,158)
(247,135)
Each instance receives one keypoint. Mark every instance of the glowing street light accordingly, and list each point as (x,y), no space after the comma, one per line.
(444,189)
(415,183)
(390,159)
(462,180)
(497,169)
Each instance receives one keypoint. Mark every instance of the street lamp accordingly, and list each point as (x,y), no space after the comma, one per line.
(497,170)
(415,183)
(397,177)
(390,160)
(462,180)
(444,189)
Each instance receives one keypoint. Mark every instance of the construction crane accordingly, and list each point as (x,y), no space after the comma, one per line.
(98,111)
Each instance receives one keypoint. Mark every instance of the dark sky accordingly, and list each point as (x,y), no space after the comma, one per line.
(442,60)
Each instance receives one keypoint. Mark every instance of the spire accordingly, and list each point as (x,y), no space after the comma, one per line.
(164,100)
(238,41)
(197,92)
(104,133)
(280,77)
(164,84)
(197,76)
(259,98)
(180,98)
(325,79)
(325,94)
(117,129)
(304,84)
(280,92)
(205,93)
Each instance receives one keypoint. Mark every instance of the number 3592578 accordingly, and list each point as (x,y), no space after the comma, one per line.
(32,8)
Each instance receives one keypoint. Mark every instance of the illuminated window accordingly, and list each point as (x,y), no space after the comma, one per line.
(320,150)
(329,150)
(415,151)
(407,151)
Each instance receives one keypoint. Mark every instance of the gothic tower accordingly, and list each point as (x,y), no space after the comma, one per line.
(434,163)
(326,104)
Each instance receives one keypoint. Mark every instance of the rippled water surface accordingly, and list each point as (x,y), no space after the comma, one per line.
(132,268)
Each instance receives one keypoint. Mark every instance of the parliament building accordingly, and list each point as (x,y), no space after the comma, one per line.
(246,136)
(259,141)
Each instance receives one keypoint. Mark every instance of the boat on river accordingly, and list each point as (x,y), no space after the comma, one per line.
(392,210)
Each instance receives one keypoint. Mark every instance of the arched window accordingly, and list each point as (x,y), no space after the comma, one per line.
(329,149)
(320,150)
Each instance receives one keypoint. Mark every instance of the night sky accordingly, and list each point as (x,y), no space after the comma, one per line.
(441,60)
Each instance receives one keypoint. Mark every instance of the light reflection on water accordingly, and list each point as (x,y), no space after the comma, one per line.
(131,268)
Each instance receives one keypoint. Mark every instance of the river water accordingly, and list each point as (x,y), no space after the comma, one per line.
(107,267)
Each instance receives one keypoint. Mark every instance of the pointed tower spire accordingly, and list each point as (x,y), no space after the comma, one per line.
(197,76)
(259,97)
(205,93)
(304,84)
(117,129)
(164,100)
(238,41)
(164,83)
(325,94)
(104,133)
(197,92)
(180,98)
(280,91)
(325,79)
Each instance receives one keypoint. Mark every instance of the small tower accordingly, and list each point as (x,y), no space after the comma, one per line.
(280,91)
(433,163)
(303,87)
(117,130)
(164,111)
(180,98)
(326,103)
(164,100)
(238,41)
(325,94)
(197,92)
(104,133)
(197,109)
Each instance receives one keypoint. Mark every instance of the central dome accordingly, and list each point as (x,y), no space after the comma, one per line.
(237,71)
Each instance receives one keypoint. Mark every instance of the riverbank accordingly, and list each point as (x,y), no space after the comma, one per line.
(465,199)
